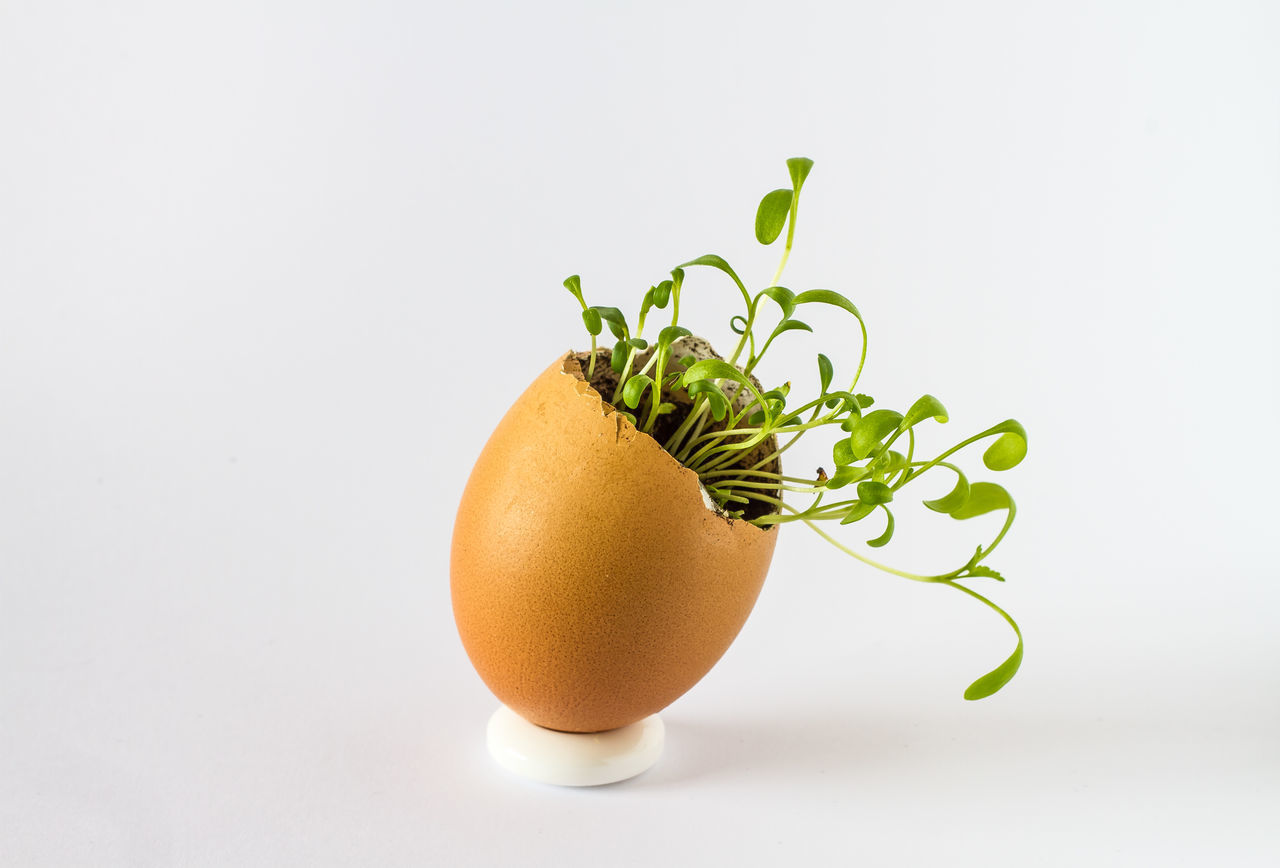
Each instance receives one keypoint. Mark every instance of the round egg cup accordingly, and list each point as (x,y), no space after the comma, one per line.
(574,759)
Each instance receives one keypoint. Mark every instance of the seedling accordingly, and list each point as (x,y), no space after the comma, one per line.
(728,415)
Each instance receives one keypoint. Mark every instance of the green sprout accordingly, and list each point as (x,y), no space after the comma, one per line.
(731,427)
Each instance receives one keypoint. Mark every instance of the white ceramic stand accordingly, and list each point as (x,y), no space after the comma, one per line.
(574,759)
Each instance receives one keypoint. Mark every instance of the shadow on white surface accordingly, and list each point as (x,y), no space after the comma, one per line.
(1070,752)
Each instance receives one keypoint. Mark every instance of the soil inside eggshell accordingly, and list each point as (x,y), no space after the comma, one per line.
(604,381)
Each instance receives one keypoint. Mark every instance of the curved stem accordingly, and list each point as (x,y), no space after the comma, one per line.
(954,449)
(752,304)
(853,554)
(862,359)
(1008,523)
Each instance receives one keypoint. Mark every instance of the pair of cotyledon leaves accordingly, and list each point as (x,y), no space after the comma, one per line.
(778,206)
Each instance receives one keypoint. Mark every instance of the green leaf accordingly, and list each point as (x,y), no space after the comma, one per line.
(591,319)
(984,497)
(857,512)
(785,298)
(842,453)
(1001,675)
(671,334)
(713,261)
(949,503)
(713,369)
(871,429)
(827,296)
(665,407)
(799,167)
(634,389)
(984,570)
(874,493)
(616,320)
(771,216)
(646,302)
(574,284)
(864,401)
(1009,450)
(922,409)
(788,325)
(662,294)
(716,398)
(845,475)
(698,387)
(825,373)
(630,417)
(888,530)
(619,357)
(719,407)
(638,343)
(718,369)
(998,677)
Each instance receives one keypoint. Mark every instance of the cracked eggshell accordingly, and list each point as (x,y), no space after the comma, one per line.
(591,583)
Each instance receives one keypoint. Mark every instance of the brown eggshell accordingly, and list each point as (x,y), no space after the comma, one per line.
(592,585)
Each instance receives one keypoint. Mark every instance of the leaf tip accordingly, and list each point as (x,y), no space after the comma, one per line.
(799,167)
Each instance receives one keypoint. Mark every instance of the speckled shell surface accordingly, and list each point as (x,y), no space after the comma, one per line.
(591,584)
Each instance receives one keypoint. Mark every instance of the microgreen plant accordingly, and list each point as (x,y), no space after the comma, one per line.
(733,431)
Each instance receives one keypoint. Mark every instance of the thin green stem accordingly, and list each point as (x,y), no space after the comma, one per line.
(767,486)
(829,419)
(977,596)
(953,450)
(655,393)
(761,473)
(844,548)
(791,237)
(675,443)
(756,357)
(1008,523)
(862,358)
(696,433)
(757,435)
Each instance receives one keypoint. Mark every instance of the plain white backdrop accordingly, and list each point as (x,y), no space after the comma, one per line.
(270,273)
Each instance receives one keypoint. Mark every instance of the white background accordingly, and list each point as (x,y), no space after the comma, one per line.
(270,273)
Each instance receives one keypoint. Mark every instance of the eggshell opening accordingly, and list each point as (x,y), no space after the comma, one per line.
(604,381)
